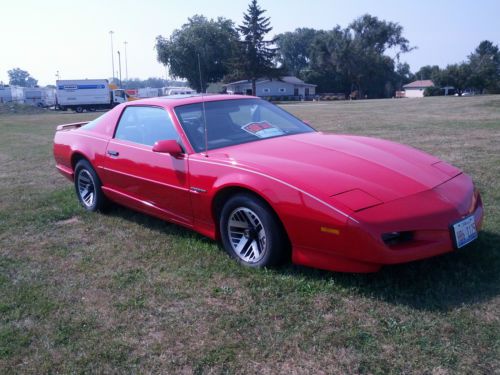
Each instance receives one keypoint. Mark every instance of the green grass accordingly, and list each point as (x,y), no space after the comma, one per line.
(124,292)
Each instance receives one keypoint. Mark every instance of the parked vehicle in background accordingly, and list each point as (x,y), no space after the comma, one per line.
(11,94)
(87,94)
(43,97)
(148,92)
(167,91)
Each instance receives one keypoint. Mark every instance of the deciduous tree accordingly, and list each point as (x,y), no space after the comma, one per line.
(21,78)
(214,41)
(294,49)
(485,67)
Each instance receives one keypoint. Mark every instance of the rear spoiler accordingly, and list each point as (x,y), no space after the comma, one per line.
(73,125)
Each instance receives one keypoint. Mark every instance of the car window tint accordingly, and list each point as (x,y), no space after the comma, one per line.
(145,125)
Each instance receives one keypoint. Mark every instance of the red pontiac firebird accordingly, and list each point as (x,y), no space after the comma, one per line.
(243,171)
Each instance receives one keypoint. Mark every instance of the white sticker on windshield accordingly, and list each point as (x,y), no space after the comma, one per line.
(262,129)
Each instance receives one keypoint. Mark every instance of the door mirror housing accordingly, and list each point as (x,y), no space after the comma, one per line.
(168,147)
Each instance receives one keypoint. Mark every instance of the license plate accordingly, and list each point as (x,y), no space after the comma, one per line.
(464,232)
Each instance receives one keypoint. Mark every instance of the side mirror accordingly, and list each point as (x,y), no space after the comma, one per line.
(168,147)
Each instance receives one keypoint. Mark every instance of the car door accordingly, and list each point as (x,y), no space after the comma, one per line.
(136,176)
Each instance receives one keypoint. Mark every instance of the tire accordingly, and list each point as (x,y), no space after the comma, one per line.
(91,109)
(79,109)
(88,187)
(251,233)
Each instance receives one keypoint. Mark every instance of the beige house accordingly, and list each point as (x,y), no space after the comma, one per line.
(416,89)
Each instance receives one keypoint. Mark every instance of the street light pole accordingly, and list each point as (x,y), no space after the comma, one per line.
(120,67)
(112,56)
(126,62)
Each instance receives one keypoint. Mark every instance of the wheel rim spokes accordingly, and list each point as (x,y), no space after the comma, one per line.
(86,188)
(247,235)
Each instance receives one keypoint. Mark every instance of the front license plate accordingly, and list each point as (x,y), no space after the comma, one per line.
(464,232)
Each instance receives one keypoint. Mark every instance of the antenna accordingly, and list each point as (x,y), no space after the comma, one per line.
(203,106)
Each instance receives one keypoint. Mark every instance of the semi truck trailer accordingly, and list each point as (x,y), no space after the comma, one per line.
(43,97)
(87,94)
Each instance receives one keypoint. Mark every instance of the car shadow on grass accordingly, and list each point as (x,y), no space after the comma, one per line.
(466,276)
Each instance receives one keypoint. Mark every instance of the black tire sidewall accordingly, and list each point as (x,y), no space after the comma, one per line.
(100,200)
(275,238)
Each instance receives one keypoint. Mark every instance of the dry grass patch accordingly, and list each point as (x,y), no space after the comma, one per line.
(121,292)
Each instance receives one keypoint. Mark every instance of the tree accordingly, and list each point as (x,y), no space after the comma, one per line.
(257,57)
(378,36)
(456,75)
(485,67)
(21,78)
(213,41)
(403,75)
(357,56)
(294,49)
(427,72)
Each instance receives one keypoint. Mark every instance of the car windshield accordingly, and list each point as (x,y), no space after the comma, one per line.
(232,122)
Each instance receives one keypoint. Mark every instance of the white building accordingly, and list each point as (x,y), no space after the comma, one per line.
(416,89)
(285,86)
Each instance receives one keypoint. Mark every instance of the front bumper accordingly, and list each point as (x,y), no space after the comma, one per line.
(428,215)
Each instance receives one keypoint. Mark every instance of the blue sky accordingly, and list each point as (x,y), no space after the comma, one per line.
(72,36)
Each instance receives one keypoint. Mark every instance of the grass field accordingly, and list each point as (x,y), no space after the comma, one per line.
(122,292)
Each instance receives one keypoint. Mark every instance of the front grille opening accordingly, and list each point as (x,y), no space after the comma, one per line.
(396,238)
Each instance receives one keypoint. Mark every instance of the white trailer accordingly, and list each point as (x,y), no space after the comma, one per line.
(43,97)
(11,94)
(148,92)
(178,91)
(87,94)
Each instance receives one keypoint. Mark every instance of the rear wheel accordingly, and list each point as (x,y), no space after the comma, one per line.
(79,109)
(251,233)
(88,187)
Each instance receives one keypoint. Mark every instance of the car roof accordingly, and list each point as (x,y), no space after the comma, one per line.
(177,100)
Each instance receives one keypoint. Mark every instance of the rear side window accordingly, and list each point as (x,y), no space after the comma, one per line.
(145,125)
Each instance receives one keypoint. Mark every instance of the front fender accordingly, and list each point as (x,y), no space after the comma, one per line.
(307,220)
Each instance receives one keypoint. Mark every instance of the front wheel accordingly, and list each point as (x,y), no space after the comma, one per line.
(251,233)
(88,187)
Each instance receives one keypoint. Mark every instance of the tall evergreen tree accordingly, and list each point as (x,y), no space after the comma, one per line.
(257,55)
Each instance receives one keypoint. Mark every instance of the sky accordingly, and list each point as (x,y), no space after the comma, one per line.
(72,37)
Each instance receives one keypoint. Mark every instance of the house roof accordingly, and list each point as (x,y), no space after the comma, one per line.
(288,79)
(419,84)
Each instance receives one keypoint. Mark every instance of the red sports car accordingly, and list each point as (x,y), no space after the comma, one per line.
(243,171)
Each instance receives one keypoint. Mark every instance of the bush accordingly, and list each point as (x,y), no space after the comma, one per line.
(433,91)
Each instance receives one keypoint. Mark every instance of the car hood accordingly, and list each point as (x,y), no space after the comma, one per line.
(328,165)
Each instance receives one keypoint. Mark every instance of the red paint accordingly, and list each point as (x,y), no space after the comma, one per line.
(361,187)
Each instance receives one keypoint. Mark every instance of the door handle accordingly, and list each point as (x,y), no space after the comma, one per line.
(113,153)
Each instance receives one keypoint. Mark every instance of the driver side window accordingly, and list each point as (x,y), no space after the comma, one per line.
(145,125)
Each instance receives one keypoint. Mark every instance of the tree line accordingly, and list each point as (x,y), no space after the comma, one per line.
(480,72)
(362,58)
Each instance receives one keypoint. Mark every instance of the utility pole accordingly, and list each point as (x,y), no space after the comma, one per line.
(112,56)
(120,67)
(126,62)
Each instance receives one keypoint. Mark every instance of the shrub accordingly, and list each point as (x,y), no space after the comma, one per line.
(433,91)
